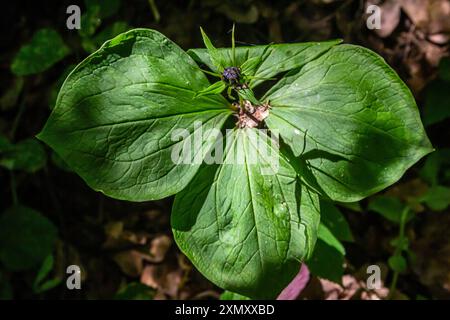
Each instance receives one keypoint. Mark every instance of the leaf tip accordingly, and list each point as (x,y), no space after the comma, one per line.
(40,136)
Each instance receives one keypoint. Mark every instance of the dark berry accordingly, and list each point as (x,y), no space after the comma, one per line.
(231,75)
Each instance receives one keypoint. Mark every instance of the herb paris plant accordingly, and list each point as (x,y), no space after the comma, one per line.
(349,127)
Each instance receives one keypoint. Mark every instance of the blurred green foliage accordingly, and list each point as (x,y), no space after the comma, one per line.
(437,103)
(27,155)
(44,50)
(26,238)
(327,260)
(135,291)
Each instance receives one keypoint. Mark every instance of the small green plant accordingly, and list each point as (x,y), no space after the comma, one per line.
(348,127)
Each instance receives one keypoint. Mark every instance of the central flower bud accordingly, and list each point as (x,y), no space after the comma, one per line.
(231,75)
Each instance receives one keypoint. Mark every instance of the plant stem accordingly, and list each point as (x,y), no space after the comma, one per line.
(155,10)
(398,251)
(393,286)
(233,48)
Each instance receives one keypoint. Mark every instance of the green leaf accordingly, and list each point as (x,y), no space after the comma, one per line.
(28,155)
(249,66)
(437,198)
(116,118)
(26,238)
(135,291)
(39,284)
(215,55)
(53,94)
(228,295)
(397,263)
(351,120)
(43,272)
(390,208)
(351,123)
(90,44)
(44,50)
(59,162)
(247,94)
(327,262)
(334,220)
(215,88)
(328,258)
(326,236)
(247,230)
(273,59)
